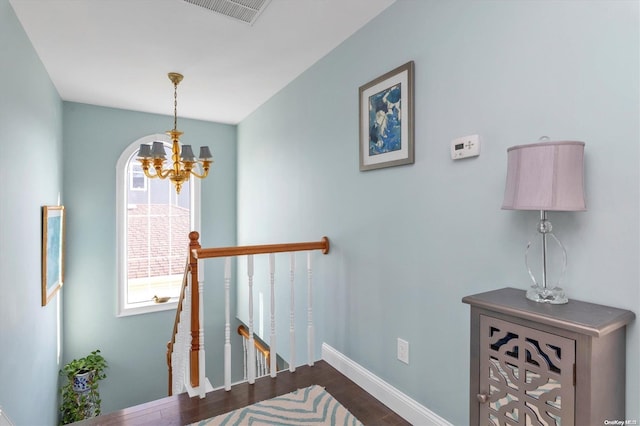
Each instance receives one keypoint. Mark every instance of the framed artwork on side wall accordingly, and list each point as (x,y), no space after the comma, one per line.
(52,251)
(386,119)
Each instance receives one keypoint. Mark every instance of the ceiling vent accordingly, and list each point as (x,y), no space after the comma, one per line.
(246,11)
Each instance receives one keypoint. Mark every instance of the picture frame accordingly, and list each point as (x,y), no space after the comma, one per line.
(53,242)
(387,119)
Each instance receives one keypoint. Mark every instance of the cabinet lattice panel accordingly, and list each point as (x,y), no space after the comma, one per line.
(527,375)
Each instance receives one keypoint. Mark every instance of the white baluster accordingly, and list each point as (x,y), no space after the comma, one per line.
(292,331)
(181,345)
(244,356)
(252,349)
(272,341)
(310,337)
(258,365)
(262,364)
(227,325)
(185,338)
(201,355)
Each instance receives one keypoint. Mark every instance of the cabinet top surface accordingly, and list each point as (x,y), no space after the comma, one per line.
(581,317)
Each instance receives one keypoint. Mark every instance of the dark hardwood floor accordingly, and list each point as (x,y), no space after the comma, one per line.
(182,410)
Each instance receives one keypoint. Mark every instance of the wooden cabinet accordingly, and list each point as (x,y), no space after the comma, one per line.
(535,363)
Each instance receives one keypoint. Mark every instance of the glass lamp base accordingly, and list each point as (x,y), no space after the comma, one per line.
(554,296)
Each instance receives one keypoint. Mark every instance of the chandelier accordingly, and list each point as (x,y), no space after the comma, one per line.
(153,157)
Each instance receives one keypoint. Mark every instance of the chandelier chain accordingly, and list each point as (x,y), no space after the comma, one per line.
(175,106)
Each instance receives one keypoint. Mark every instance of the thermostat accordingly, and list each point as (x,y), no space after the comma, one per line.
(465,147)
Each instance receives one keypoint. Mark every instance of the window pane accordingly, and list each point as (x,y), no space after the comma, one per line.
(138,181)
(158,225)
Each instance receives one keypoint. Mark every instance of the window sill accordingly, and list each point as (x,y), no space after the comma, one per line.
(141,308)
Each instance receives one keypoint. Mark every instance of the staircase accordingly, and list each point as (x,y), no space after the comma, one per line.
(185,351)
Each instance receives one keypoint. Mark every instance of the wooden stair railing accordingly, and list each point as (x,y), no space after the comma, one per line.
(172,342)
(265,353)
(196,253)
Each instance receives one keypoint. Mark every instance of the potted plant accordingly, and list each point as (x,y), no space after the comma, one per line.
(80,396)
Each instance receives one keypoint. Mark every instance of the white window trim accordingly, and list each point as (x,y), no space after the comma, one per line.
(121,226)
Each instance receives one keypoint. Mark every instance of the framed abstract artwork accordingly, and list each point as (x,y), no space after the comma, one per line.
(386,119)
(52,251)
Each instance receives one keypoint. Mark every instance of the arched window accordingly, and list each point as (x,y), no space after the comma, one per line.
(153,224)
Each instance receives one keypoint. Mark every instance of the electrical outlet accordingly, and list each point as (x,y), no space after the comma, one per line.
(403,350)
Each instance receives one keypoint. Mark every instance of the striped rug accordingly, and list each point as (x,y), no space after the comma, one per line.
(308,406)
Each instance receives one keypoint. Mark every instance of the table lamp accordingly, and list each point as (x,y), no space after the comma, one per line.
(545,176)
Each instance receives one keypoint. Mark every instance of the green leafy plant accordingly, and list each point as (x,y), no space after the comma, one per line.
(81,404)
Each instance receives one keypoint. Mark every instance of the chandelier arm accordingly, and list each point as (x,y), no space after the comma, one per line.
(148,174)
(145,163)
(204,166)
(147,167)
(163,174)
(200,176)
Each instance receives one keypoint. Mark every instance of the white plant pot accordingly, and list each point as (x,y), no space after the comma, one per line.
(82,382)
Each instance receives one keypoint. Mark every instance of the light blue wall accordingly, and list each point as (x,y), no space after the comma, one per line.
(135,346)
(30,177)
(510,71)
(409,242)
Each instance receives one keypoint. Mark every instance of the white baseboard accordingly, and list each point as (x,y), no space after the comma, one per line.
(403,405)
(4,419)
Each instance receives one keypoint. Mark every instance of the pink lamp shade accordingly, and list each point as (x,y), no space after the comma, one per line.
(545,176)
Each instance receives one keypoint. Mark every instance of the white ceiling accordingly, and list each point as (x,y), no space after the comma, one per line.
(117,53)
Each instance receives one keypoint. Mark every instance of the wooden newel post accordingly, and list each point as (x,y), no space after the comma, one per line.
(194,364)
